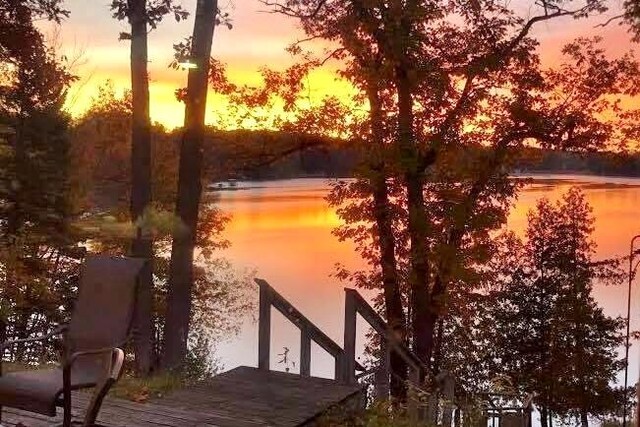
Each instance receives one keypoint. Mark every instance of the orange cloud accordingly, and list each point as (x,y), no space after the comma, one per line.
(257,39)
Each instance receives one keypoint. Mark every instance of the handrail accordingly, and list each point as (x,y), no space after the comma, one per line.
(308,332)
(356,304)
(345,360)
(381,327)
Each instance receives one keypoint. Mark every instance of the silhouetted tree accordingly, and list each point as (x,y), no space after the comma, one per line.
(549,335)
(142,14)
(462,94)
(433,75)
(179,299)
(37,257)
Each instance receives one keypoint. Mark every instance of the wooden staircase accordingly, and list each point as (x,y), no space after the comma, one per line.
(426,407)
(347,370)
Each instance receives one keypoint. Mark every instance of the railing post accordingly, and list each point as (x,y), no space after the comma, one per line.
(339,367)
(264,325)
(350,313)
(381,387)
(528,411)
(305,352)
(413,403)
(448,389)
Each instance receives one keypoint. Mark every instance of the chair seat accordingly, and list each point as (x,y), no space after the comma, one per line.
(39,390)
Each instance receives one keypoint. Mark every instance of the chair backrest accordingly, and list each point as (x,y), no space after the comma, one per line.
(103,312)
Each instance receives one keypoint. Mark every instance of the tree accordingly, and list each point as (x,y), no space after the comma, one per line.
(462,93)
(179,299)
(100,154)
(38,254)
(141,14)
(551,337)
(37,9)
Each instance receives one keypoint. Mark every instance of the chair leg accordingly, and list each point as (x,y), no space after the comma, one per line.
(96,402)
(66,394)
(115,363)
(67,413)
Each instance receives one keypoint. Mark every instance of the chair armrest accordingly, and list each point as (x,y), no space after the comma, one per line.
(58,331)
(112,372)
(115,364)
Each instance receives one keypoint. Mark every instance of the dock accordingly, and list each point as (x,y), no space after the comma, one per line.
(242,397)
(249,396)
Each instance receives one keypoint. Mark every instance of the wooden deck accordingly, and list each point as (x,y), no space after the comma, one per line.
(242,397)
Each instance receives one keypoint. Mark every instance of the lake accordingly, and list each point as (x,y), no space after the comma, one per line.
(282,231)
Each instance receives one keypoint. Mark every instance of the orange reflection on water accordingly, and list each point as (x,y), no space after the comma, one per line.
(282,230)
(289,212)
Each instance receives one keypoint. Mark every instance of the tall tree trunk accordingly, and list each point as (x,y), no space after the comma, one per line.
(141,246)
(15,220)
(437,351)
(189,190)
(424,320)
(386,241)
(3,335)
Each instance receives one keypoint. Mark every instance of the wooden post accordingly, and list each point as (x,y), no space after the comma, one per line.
(339,367)
(448,390)
(350,313)
(432,408)
(305,353)
(413,397)
(381,387)
(264,325)
(528,411)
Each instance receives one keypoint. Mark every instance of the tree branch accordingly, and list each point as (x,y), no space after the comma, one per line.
(490,60)
(289,11)
(610,20)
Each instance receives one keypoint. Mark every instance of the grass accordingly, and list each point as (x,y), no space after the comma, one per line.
(380,414)
(8,367)
(142,389)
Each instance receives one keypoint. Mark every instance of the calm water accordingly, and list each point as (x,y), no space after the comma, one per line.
(282,230)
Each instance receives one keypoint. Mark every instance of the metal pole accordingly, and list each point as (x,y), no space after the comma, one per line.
(626,347)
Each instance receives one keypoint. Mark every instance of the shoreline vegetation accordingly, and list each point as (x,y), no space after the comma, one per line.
(550,177)
(341,162)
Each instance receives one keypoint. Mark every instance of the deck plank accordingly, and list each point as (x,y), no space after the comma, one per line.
(242,397)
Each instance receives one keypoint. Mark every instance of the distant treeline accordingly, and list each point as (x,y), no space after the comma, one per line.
(617,164)
(325,162)
(333,162)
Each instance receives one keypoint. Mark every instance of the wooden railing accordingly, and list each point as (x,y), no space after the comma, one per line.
(355,304)
(308,332)
(347,367)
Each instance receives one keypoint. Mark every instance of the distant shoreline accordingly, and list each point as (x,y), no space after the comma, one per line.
(576,172)
(519,174)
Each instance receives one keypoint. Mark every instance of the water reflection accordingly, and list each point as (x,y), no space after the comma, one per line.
(282,230)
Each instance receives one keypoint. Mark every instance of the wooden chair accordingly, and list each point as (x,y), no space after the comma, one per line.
(92,358)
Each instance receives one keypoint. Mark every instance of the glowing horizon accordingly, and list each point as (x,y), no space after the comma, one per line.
(258,39)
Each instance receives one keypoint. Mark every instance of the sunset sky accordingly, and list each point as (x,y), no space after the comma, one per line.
(257,39)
